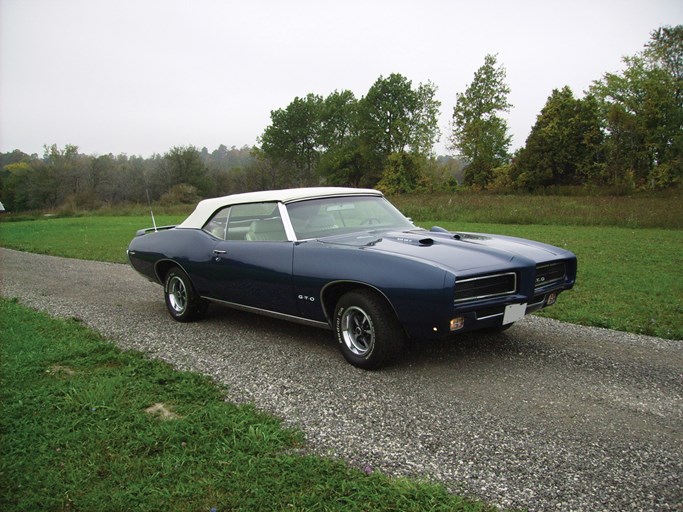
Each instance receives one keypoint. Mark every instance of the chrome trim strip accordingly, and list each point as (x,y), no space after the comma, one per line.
(490,316)
(539,303)
(514,290)
(156,270)
(268,313)
(345,281)
(365,192)
(551,264)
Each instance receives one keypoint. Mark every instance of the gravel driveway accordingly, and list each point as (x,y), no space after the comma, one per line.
(546,416)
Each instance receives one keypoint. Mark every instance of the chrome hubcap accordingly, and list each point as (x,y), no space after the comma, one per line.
(358,331)
(177,294)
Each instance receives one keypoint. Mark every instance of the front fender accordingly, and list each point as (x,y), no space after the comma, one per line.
(419,293)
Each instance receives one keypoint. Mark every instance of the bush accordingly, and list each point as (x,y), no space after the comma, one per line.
(79,202)
(180,194)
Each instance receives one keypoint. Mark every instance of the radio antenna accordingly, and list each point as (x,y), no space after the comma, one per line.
(149,201)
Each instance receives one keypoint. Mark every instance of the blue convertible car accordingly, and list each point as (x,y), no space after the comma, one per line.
(346,259)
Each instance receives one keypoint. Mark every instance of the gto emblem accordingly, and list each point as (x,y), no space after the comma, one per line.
(306,297)
(540,279)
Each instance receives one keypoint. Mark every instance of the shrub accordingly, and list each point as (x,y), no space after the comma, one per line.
(180,194)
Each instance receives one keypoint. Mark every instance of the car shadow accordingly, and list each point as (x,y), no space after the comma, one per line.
(270,328)
(474,346)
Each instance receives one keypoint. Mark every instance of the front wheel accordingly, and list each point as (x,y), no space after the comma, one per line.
(182,301)
(367,329)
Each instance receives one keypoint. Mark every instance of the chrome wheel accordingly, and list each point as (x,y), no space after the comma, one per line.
(367,329)
(182,301)
(358,331)
(177,294)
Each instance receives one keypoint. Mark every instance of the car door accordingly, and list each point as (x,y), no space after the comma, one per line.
(252,266)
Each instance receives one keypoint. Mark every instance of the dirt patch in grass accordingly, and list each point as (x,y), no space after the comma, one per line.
(61,371)
(162,412)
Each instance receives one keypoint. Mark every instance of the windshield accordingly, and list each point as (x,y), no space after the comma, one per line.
(338,215)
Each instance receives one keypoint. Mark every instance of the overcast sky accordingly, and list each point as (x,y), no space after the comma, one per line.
(141,76)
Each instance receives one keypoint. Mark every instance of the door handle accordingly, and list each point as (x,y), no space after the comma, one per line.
(218,251)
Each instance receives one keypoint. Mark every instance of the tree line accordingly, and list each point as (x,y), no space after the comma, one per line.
(65,178)
(626,131)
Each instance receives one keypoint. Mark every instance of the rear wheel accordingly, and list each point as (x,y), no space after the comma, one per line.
(182,302)
(367,329)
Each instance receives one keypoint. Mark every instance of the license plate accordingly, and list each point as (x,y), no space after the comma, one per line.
(513,312)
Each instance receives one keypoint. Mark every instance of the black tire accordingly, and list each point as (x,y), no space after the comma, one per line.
(367,329)
(182,302)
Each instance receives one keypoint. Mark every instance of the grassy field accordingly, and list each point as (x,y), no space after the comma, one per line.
(663,210)
(87,238)
(83,428)
(630,279)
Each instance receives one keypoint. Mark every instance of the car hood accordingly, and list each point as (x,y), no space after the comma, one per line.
(457,252)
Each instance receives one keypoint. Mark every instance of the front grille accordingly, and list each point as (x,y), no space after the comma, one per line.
(485,286)
(550,273)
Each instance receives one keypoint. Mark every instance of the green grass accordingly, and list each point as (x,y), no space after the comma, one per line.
(75,435)
(88,238)
(662,210)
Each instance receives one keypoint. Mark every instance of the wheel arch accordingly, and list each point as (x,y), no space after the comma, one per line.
(333,291)
(162,267)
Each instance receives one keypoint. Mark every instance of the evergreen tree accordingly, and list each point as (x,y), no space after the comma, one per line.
(564,145)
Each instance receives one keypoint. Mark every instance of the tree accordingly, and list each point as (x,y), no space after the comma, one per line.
(14,167)
(665,51)
(64,173)
(386,114)
(563,146)
(101,175)
(338,119)
(16,186)
(346,164)
(425,126)
(478,133)
(292,140)
(180,165)
(344,141)
(396,119)
(643,112)
(129,183)
(345,156)
(402,174)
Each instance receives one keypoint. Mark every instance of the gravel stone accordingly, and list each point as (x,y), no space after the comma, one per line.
(545,416)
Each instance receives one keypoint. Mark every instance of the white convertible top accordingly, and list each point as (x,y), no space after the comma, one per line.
(208,207)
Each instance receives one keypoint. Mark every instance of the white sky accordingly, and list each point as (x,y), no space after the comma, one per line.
(141,76)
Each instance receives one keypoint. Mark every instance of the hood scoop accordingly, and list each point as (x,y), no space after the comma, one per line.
(426,242)
(458,236)
(439,229)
